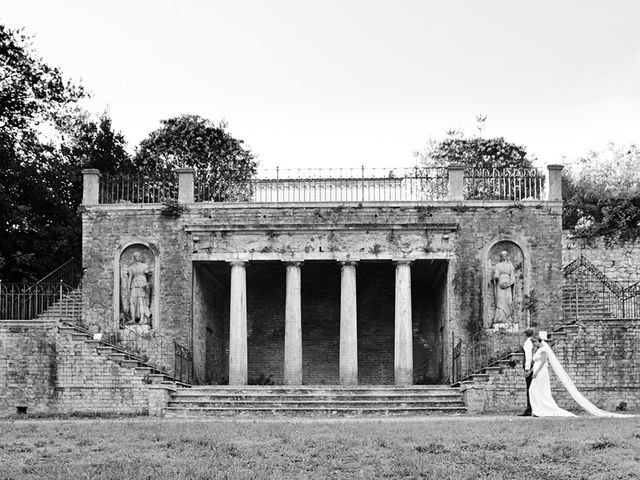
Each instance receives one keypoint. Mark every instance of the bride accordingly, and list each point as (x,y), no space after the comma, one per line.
(542,402)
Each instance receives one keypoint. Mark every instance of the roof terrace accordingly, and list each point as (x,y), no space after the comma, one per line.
(329,185)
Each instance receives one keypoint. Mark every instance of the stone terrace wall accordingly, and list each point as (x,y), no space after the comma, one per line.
(88,382)
(602,358)
(604,362)
(51,372)
(620,261)
(28,371)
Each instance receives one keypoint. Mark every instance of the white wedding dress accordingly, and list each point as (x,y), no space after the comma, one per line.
(542,402)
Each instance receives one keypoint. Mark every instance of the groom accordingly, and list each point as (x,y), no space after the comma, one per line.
(527,364)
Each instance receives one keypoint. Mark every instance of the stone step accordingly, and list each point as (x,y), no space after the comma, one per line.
(493,370)
(322,388)
(309,411)
(380,404)
(196,397)
(194,392)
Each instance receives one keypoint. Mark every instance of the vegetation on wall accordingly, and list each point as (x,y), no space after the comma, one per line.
(601,193)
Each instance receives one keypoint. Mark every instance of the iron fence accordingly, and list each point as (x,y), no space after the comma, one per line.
(138,188)
(330,185)
(155,349)
(182,363)
(469,356)
(50,301)
(504,184)
(208,189)
(589,293)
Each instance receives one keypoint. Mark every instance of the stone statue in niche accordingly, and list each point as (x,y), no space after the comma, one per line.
(136,285)
(504,287)
(504,280)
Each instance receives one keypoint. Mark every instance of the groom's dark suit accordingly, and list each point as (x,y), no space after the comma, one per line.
(527,364)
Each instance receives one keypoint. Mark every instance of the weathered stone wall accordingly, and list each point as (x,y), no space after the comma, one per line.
(619,260)
(459,232)
(28,370)
(602,359)
(105,233)
(51,372)
(88,382)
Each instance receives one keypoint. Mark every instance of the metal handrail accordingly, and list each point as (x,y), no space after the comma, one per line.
(582,261)
(61,267)
(182,363)
(615,299)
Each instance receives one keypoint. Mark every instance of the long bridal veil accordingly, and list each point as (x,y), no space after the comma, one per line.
(571,388)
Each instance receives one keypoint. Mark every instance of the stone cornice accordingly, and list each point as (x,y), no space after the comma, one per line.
(329,205)
(320,226)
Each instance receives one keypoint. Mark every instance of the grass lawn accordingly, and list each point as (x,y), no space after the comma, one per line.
(435,447)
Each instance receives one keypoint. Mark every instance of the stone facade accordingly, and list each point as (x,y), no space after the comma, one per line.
(194,307)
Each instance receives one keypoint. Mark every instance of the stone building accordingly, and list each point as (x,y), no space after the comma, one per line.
(354,280)
(347,291)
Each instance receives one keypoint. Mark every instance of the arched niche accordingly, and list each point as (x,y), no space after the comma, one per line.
(136,287)
(505,285)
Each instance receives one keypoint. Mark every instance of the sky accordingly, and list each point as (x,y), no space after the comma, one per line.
(354,82)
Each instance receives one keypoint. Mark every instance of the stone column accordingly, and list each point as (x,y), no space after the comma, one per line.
(403,345)
(293,326)
(185,184)
(456,182)
(554,183)
(90,186)
(238,372)
(348,325)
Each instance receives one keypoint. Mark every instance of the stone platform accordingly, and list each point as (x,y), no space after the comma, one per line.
(327,401)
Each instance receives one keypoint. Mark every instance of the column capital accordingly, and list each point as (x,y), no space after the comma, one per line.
(238,263)
(348,263)
(403,261)
(293,263)
(555,166)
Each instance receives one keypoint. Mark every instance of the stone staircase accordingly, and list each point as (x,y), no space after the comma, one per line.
(513,359)
(118,355)
(323,401)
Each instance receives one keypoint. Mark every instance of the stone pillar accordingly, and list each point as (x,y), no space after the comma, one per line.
(293,326)
(90,186)
(185,184)
(554,183)
(348,325)
(456,182)
(238,371)
(403,344)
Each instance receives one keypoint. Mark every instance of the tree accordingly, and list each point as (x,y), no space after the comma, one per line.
(36,199)
(222,163)
(601,192)
(473,152)
(91,142)
(45,142)
(477,154)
